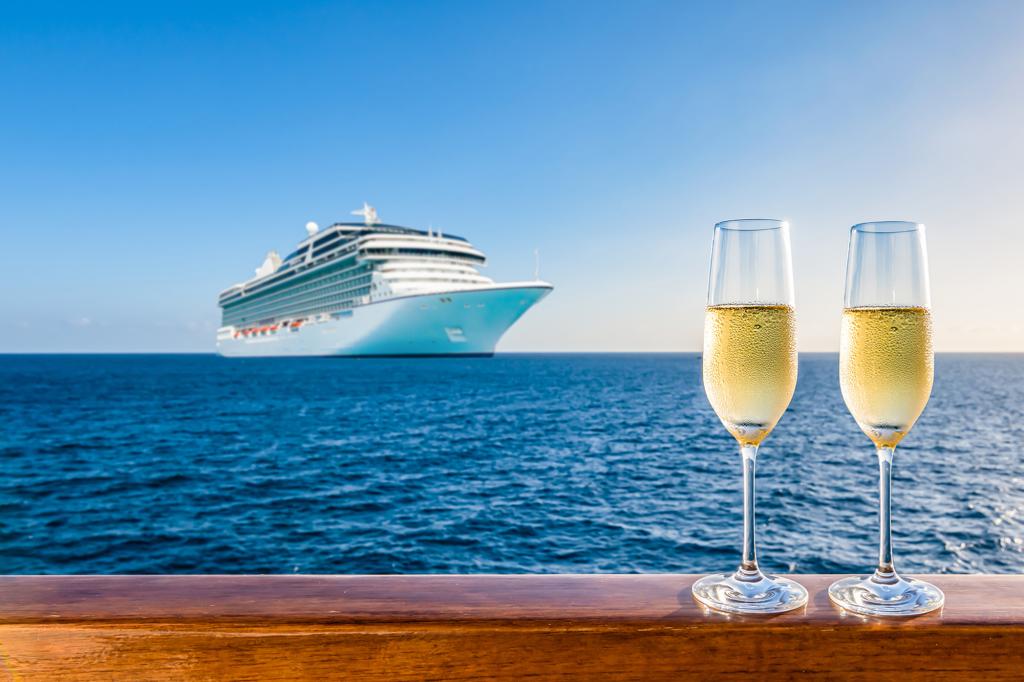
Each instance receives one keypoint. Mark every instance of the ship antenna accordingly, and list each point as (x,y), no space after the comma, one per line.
(369,214)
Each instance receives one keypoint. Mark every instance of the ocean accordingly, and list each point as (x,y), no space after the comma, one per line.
(517,463)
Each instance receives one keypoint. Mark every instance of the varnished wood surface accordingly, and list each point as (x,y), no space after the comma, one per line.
(653,598)
(483,627)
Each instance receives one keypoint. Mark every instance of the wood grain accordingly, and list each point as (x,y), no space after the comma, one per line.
(567,627)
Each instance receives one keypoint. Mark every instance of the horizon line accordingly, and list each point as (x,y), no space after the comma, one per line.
(497,353)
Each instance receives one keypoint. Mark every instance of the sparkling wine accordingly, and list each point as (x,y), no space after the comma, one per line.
(885,368)
(750,366)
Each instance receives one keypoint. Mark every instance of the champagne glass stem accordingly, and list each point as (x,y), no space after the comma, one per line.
(886,572)
(748,568)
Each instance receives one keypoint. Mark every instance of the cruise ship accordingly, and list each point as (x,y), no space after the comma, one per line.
(371,289)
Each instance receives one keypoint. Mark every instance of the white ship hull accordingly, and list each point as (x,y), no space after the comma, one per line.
(464,322)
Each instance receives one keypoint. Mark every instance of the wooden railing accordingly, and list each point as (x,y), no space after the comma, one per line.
(619,627)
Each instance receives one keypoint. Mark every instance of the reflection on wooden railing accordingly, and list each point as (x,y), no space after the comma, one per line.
(483,627)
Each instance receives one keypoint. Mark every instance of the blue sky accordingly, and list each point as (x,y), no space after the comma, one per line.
(153,152)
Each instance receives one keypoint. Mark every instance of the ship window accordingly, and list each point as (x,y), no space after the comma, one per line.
(326,238)
(326,245)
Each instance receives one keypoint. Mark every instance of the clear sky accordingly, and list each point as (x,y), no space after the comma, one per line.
(153,152)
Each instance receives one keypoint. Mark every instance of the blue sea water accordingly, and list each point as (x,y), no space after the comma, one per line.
(518,463)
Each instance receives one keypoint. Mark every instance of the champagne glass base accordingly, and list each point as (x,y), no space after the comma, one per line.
(871,597)
(740,593)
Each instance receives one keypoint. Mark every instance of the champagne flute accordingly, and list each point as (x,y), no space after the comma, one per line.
(885,370)
(749,376)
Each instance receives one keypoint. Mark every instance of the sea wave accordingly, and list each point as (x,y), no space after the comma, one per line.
(519,463)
